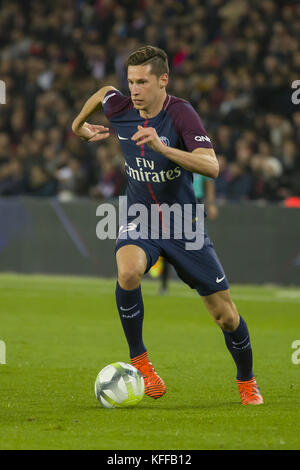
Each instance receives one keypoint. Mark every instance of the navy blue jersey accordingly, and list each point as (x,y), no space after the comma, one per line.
(153,178)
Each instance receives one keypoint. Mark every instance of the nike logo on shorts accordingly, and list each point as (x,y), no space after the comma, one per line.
(220,280)
(122,138)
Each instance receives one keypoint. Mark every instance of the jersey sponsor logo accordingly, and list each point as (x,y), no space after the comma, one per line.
(123,138)
(202,138)
(162,176)
(107,97)
(165,140)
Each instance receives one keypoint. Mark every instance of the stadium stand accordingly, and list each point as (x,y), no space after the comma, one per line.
(234,60)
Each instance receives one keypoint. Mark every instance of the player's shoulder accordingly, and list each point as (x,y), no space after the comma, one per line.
(187,124)
(175,101)
(181,111)
(115,102)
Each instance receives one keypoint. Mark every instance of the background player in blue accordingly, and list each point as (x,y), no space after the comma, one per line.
(164,142)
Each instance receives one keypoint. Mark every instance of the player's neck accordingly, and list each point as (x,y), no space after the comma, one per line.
(155,109)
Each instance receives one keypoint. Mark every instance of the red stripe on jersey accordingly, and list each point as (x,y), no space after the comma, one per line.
(143,145)
(150,187)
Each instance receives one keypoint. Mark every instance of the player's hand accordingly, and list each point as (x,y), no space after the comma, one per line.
(212,211)
(148,135)
(92,132)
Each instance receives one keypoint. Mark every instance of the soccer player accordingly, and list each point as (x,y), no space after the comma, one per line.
(164,143)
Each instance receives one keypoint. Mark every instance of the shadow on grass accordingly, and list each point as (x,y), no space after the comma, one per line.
(170,407)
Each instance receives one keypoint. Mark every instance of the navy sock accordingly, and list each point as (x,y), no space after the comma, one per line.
(238,344)
(131,310)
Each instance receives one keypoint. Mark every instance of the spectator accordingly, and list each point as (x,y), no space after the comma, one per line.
(110,181)
(12,178)
(240,182)
(235,61)
(294,199)
(40,183)
(71,178)
(222,182)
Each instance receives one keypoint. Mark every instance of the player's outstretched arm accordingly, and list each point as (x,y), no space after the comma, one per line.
(84,130)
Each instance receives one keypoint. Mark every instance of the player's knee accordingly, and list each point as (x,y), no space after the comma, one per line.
(129,277)
(226,316)
(228,322)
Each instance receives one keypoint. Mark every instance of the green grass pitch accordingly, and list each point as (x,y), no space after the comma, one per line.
(60,332)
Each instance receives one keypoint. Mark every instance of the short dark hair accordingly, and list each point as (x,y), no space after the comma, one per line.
(150,55)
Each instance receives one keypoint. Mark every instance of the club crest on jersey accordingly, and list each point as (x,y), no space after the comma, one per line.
(165,140)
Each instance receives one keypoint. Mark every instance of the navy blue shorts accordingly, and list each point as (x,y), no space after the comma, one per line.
(200,269)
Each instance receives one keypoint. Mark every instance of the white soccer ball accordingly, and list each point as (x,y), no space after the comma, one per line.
(119,385)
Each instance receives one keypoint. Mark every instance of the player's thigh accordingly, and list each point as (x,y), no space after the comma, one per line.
(222,308)
(200,269)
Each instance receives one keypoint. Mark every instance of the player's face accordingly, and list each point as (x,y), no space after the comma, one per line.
(145,87)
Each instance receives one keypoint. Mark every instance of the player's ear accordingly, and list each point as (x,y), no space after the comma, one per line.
(163,80)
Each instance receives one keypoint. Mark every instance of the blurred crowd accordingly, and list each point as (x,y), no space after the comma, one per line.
(234,60)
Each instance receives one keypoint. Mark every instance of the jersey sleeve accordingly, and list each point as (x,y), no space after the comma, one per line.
(114,102)
(190,128)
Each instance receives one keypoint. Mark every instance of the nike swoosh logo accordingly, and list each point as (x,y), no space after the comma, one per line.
(219,280)
(122,138)
(126,309)
(107,97)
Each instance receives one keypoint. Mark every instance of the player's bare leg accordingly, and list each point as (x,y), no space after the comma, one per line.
(132,263)
(222,309)
(225,314)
